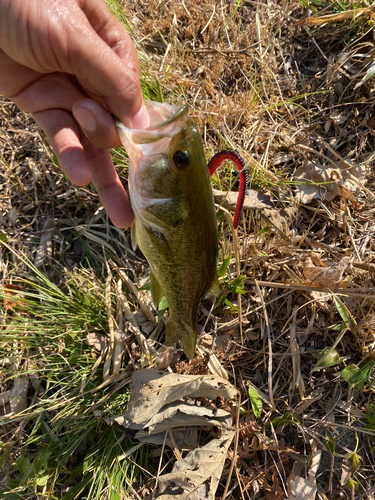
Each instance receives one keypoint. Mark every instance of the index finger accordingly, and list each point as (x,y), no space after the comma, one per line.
(109,67)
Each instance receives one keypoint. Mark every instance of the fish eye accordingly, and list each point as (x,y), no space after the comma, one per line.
(181,159)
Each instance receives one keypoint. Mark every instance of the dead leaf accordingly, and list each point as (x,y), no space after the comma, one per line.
(221,341)
(326,182)
(164,401)
(334,18)
(280,220)
(274,492)
(254,200)
(44,250)
(346,471)
(213,364)
(12,291)
(97,342)
(197,476)
(184,438)
(18,394)
(152,390)
(248,427)
(366,334)
(300,488)
(167,356)
(179,414)
(371,122)
(13,216)
(4,403)
(148,327)
(328,278)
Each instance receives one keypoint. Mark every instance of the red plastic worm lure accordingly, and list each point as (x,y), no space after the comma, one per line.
(234,157)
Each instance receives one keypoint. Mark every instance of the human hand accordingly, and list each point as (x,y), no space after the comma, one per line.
(53,53)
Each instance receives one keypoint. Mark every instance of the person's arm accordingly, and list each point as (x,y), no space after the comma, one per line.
(53,53)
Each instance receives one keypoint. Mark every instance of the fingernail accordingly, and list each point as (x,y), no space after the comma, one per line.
(85,118)
(141,119)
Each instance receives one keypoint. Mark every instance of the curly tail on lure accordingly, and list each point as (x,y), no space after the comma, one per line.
(235,158)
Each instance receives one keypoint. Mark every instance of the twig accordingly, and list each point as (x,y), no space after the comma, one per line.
(365,267)
(235,447)
(176,451)
(269,346)
(111,345)
(296,286)
(208,23)
(339,157)
(296,356)
(135,292)
(350,233)
(236,248)
(160,462)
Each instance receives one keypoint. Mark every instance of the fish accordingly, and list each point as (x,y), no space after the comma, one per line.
(175,223)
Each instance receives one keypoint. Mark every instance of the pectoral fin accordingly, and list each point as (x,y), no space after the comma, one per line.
(134,236)
(156,291)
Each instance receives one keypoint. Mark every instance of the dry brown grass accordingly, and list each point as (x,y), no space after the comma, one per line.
(285,96)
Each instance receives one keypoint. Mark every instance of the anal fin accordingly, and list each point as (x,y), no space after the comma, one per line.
(214,288)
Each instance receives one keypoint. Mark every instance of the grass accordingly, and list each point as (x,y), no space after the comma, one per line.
(64,443)
(302,355)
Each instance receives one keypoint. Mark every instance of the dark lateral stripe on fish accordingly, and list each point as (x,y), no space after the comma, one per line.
(234,157)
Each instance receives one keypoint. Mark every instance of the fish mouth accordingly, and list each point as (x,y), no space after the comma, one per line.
(166,121)
(146,147)
(163,114)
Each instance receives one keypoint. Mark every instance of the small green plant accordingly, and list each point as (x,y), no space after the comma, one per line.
(328,357)
(162,308)
(229,285)
(358,376)
(345,314)
(331,445)
(352,465)
(256,402)
(283,420)
(370,415)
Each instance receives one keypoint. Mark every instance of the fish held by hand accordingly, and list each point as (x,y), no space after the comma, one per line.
(175,221)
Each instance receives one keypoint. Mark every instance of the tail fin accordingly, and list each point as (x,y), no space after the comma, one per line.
(186,334)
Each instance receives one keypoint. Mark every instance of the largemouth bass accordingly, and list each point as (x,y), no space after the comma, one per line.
(175,222)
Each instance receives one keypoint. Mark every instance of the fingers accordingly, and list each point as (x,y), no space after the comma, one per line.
(97,123)
(141,119)
(58,91)
(108,185)
(114,71)
(64,136)
(83,162)
(75,37)
(54,90)
(49,41)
